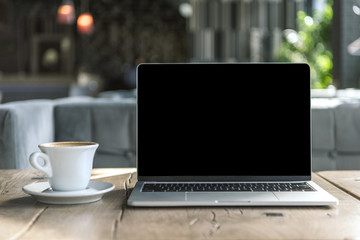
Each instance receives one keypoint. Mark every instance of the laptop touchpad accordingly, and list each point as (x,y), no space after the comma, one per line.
(231,197)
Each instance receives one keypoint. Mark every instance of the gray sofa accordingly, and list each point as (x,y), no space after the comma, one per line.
(336,133)
(108,121)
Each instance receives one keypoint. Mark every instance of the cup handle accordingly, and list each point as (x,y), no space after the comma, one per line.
(34,161)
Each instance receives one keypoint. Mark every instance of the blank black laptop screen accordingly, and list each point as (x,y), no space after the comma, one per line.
(240,120)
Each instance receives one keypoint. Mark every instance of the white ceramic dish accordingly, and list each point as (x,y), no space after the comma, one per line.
(42,192)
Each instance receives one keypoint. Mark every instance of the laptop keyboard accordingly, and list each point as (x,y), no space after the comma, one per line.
(227,187)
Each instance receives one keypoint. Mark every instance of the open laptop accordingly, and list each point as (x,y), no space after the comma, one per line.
(224,134)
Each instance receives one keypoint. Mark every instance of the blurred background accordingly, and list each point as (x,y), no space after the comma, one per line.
(59,48)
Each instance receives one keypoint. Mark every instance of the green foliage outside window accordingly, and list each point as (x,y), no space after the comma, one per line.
(311,44)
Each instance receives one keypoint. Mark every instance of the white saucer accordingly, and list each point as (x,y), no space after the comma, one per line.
(42,192)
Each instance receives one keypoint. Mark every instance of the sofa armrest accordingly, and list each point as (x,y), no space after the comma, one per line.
(23,126)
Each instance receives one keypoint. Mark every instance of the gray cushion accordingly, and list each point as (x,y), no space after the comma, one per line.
(323,123)
(323,129)
(323,160)
(347,161)
(108,122)
(347,133)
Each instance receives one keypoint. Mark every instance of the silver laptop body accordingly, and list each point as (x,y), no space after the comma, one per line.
(207,131)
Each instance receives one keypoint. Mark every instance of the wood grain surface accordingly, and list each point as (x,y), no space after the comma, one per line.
(22,217)
(348,181)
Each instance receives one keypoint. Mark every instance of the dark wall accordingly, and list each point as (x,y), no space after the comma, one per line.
(124,30)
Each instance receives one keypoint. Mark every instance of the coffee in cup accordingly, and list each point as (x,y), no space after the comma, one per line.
(68,165)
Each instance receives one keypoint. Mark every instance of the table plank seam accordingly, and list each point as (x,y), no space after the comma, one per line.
(3,189)
(29,225)
(127,185)
(340,187)
(215,225)
(114,229)
(119,219)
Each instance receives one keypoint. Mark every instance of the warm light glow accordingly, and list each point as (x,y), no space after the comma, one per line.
(85,19)
(66,14)
(85,23)
(66,9)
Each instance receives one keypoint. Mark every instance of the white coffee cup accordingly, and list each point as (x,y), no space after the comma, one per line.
(68,165)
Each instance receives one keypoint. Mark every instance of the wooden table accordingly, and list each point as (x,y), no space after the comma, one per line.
(22,217)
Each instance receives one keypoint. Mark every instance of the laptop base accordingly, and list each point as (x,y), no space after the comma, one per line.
(178,199)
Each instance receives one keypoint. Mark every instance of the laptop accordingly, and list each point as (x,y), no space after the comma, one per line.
(224,134)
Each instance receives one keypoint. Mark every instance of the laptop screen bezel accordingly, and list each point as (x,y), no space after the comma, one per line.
(223,178)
